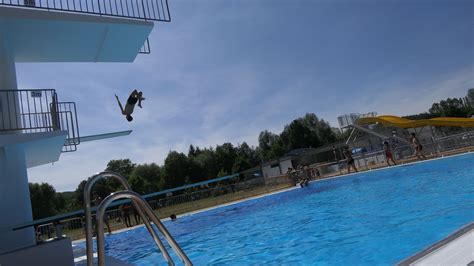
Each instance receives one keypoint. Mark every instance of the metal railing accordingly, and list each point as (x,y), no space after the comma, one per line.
(145,48)
(202,198)
(38,110)
(27,110)
(67,121)
(204,193)
(155,10)
(435,148)
(140,206)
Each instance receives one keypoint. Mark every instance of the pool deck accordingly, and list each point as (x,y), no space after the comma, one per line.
(80,258)
(456,249)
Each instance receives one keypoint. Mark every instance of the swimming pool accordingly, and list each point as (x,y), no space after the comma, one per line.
(378,217)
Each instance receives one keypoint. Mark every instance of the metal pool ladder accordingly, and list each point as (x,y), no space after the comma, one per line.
(143,209)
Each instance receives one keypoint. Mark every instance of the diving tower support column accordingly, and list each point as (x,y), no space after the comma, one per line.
(14,189)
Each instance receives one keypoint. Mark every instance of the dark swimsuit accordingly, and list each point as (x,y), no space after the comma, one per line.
(351,161)
(132,100)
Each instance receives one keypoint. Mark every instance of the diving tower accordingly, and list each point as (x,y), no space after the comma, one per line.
(35,127)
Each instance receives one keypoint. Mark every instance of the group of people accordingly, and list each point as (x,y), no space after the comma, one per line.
(302,175)
(417,147)
(415,142)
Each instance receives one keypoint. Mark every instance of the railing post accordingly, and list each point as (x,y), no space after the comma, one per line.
(58,229)
(144,12)
(100,12)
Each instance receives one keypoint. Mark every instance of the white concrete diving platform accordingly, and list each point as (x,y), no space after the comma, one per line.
(39,148)
(36,35)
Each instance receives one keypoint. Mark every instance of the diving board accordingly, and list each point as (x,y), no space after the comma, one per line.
(99,136)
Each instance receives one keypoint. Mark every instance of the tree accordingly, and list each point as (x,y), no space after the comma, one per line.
(297,135)
(343,135)
(139,184)
(121,166)
(320,127)
(419,116)
(246,158)
(451,107)
(222,173)
(207,162)
(176,169)
(43,203)
(79,194)
(241,163)
(150,174)
(192,151)
(225,156)
(266,140)
(470,97)
(104,187)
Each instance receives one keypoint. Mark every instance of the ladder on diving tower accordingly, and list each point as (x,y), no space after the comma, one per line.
(143,209)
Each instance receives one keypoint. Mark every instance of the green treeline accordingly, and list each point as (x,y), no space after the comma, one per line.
(451,107)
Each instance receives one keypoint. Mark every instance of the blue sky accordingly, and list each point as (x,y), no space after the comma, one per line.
(222,71)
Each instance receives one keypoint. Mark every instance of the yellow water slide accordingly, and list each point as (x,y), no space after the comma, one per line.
(391,120)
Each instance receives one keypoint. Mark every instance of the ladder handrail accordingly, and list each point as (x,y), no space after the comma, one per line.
(382,136)
(87,208)
(88,215)
(140,202)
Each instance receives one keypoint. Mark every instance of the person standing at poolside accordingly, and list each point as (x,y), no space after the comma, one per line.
(290,175)
(417,146)
(388,153)
(137,217)
(125,209)
(350,160)
(98,200)
(334,153)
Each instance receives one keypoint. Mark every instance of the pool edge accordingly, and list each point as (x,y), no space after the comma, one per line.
(437,245)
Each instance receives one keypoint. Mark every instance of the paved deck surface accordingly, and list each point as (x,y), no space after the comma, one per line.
(456,249)
(80,258)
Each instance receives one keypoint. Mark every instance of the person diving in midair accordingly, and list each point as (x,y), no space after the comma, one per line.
(135,96)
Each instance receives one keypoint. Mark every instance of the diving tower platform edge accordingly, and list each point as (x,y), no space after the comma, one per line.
(31,35)
(148,10)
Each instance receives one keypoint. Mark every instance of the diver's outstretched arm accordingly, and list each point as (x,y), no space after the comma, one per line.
(120,104)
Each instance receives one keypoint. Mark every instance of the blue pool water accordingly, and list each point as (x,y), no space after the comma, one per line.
(379,217)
